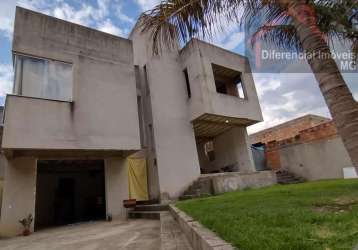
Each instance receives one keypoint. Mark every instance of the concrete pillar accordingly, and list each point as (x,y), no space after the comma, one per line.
(19,194)
(243,150)
(116,178)
(233,147)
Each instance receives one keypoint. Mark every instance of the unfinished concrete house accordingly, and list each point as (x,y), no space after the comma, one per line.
(85,102)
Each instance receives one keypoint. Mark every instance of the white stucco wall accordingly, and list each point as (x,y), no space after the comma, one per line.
(174,139)
(231,148)
(103,114)
(19,194)
(197,56)
(323,159)
(116,185)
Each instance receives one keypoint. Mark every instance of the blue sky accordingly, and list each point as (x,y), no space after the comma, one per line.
(282,96)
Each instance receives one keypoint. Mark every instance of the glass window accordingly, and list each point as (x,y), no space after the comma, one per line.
(43,78)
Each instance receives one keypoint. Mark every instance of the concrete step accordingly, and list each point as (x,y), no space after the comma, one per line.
(149,202)
(152,207)
(288,178)
(192,192)
(289,182)
(193,196)
(285,177)
(153,215)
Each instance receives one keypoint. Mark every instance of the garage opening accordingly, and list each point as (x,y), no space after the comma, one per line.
(69,191)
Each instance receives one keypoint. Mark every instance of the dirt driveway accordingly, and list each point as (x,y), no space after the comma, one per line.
(132,234)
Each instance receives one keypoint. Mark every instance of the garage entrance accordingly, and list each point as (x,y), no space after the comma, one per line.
(69,191)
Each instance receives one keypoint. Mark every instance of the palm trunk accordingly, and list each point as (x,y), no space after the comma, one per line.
(339,99)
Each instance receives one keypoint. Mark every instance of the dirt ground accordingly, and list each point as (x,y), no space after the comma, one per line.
(131,234)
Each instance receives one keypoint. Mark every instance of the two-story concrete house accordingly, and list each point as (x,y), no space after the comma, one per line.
(84,101)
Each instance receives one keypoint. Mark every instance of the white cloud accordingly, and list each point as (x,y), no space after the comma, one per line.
(120,14)
(287,96)
(147,4)
(6,79)
(232,41)
(93,15)
(7,15)
(82,16)
(108,27)
(265,82)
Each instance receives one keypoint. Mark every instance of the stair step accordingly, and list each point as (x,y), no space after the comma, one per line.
(285,177)
(289,182)
(192,192)
(152,207)
(153,215)
(194,196)
(149,202)
(288,178)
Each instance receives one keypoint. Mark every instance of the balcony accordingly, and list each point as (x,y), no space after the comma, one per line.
(221,86)
(40,126)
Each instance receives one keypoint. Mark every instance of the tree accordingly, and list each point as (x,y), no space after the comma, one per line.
(307,25)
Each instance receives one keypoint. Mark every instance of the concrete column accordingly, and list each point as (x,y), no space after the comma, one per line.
(243,150)
(233,147)
(116,178)
(19,194)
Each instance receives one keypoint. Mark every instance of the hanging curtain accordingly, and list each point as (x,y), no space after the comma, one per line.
(137,179)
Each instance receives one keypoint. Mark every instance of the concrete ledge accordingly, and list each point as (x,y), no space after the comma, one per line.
(198,236)
(171,236)
(227,182)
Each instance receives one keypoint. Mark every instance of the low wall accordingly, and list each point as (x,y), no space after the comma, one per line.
(323,159)
(199,237)
(227,182)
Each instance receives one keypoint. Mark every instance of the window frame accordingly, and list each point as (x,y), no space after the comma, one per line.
(235,82)
(18,89)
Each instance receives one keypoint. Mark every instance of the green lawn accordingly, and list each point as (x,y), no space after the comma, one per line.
(314,215)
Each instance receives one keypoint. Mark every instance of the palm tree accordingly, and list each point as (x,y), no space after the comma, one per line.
(308,25)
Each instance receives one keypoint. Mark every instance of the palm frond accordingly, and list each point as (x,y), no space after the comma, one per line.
(179,20)
(282,36)
(174,21)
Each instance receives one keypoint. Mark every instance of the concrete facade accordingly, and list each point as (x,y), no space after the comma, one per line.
(102,66)
(100,122)
(315,161)
(198,57)
(309,153)
(124,100)
(172,143)
(19,193)
(231,149)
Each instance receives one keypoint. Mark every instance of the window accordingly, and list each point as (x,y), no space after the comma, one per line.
(228,81)
(43,78)
(209,150)
(187,83)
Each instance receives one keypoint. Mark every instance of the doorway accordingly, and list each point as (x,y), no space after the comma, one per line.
(69,191)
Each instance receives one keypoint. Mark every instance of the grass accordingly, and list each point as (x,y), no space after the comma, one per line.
(313,215)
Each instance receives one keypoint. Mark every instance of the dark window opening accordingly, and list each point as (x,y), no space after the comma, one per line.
(187,82)
(228,81)
(209,150)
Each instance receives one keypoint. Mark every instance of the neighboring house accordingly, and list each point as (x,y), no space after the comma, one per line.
(85,100)
(316,152)
(287,130)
